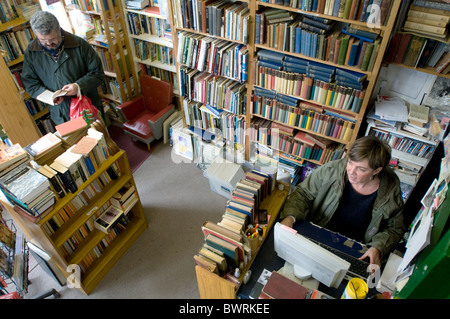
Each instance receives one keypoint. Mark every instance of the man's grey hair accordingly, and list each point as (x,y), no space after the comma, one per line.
(44,22)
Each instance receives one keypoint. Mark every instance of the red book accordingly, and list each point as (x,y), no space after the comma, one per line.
(403,45)
(281,287)
(71,126)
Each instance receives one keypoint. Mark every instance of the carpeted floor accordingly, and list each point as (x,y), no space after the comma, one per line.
(137,152)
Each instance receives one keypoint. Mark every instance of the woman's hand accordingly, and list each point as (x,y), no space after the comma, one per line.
(374,256)
(288,221)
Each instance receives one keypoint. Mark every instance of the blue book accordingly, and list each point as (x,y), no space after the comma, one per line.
(353,53)
(289,58)
(298,40)
(271,65)
(337,4)
(320,66)
(351,75)
(320,73)
(352,85)
(295,69)
(271,55)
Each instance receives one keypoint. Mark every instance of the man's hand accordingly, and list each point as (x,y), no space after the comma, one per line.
(374,256)
(72,89)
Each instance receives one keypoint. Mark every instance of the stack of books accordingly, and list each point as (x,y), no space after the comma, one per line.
(71,131)
(429,18)
(125,198)
(11,157)
(227,243)
(45,149)
(29,191)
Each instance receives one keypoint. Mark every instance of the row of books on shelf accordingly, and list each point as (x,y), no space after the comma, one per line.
(199,115)
(227,246)
(416,51)
(107,59)
(15,43)
(8,11)
(296,143)
(219,92)
(221,18)
(139,24)
(232,127)
(306,88)
(428,21)
(147,51)
(315,70)
(89,5)
(162,74)
(111,87)
(105,219)
(303,115)
(318,38)
(359,10)
(215,56)
(120,224)
(405,144)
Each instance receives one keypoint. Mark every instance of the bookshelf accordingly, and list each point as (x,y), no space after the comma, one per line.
(265,86)
(151,40)
(14,116)
(421,51)
(314,104)
(412,152)
(103,24)
(15,35)
(62,233)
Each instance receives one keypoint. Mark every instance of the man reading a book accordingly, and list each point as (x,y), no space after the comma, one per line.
(358,197)
(58,60)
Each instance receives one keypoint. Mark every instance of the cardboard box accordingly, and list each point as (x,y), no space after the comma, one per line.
(223,176)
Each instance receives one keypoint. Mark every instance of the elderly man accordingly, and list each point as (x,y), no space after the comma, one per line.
(56,60)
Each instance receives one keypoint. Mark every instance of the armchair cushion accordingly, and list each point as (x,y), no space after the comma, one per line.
(139,125)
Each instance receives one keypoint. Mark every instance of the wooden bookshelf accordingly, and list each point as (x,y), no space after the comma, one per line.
(253,47)
(113,245)
(151,42)
(16,121)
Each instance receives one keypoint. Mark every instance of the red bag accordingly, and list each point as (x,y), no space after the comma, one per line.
(82,107)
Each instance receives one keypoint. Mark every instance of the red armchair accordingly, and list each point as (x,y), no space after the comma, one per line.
(146,113)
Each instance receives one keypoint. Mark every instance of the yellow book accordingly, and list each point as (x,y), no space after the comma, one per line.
(309,120)
(329,94)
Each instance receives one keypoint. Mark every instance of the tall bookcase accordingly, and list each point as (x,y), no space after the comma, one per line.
(15,35)
(151,40)
(15,119)
(111,43)
(95,252)
(252,83)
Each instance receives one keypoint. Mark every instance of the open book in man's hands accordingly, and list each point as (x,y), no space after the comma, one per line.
(49,97)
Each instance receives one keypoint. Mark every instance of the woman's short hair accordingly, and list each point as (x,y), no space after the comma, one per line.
(44,23)
(372,148)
